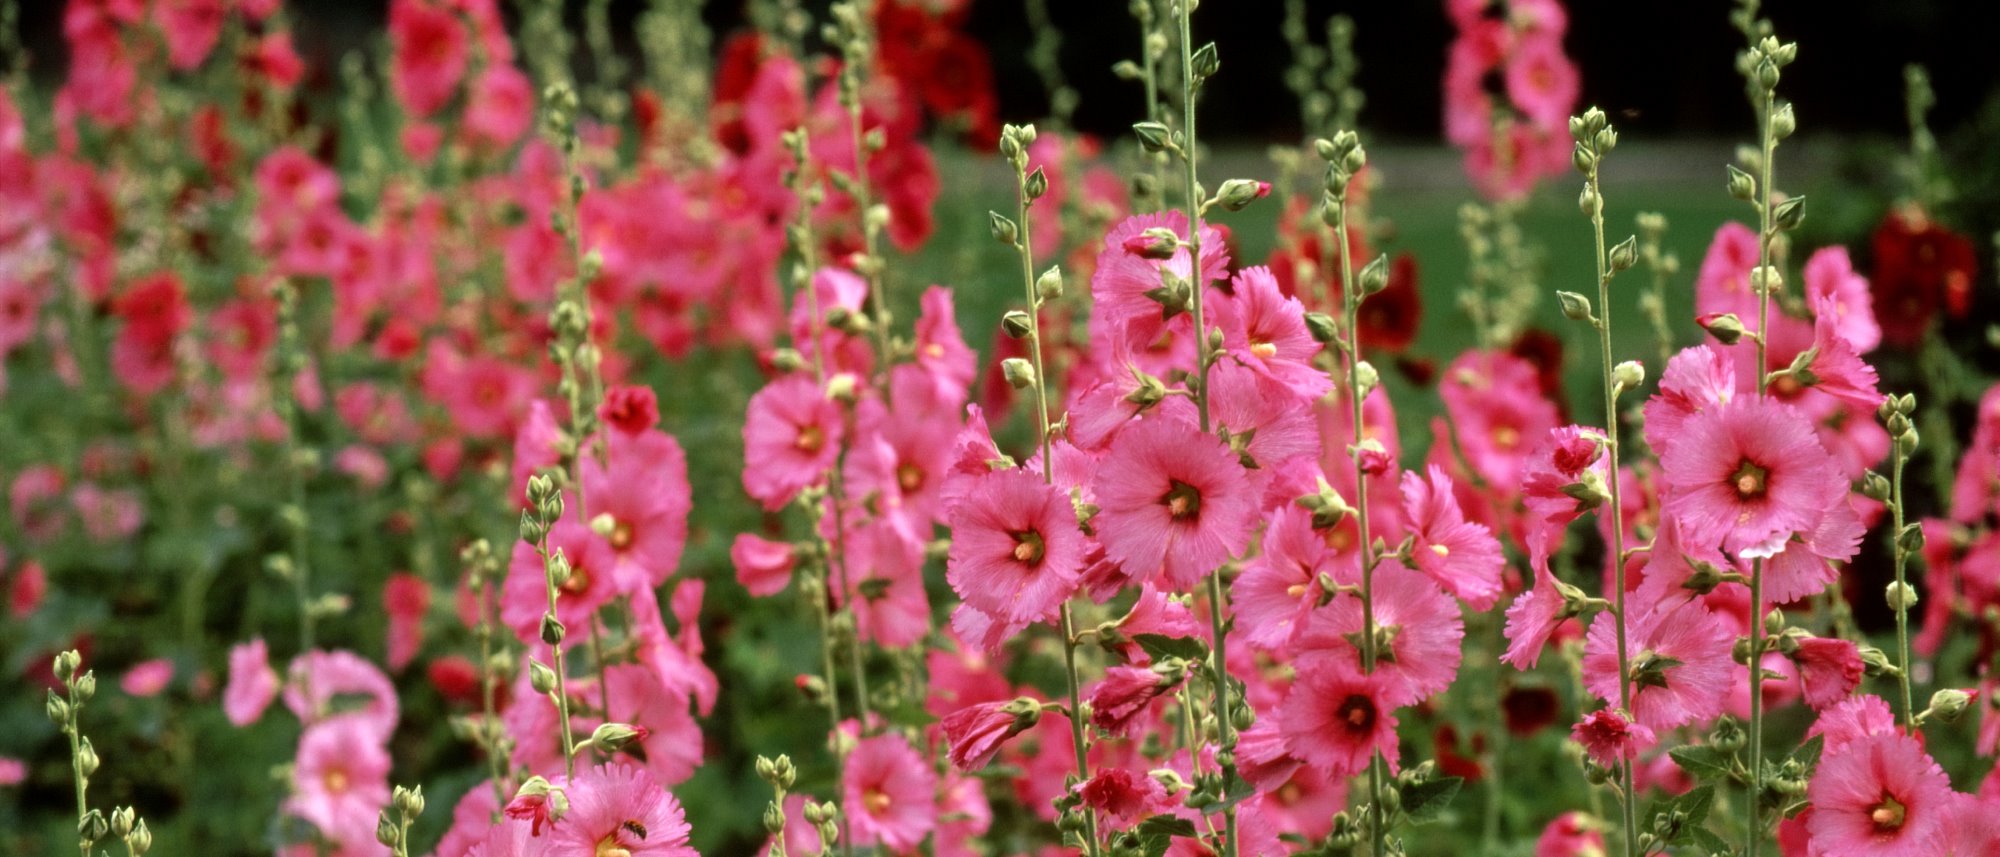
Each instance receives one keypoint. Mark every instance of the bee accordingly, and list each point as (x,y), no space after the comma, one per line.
(637,829)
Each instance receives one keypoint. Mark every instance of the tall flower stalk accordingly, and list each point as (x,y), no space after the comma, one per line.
(1595,138)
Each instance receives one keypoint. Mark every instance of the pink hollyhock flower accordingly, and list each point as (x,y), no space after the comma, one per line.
(1172,500)
(1533,618)
(535,444)
(1748,476)
(107,515)
(617,810)
(27,589)
(147,678)
(1266,331)
(630,409)
(1572,834)
(155,310)
(524,596)
(1608,737)
(1696,379)
(1279,586)
(406,598)
(1723,283)
(35,495)
(1125,693)
(1851,720)
(1155,613)
(1122,797)
(499,107)
(1462,557)
(889,794)
(430,50)
(1015,548)
(1336,717)
(903,457)
(1123,278)
(791,436)
(976,732)
(1801,568)
(1423,626)
(1829,669)
(340,781)
(1265,756)
(1836,368)
(1834,289)
(1268,422)
(1680,659)
(191,27)
(885,583)
(1879,796)
(764,567)
(252,683)
(941,351)
(273,58)
(471,819)
(317,678)
(1101,409)
(1496,412)
(1541,81)
(639,502)
(964,816)
(12,771)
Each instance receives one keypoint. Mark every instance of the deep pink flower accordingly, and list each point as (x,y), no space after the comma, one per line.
(12,771)
(1125,693)
(1835,290)
(1723,283)
(405,598)
(617,810)
(1422,624)
(1173,501)
(1609,738)
(499,107)
(340,780)
(1836,368)
(639,499)
(1123,278)
(631,409)
(1266,331)
(429,54)
(1015,547)
(1829,668)
(1696,379)
(1851,720)
(976,732)
(889,794)
(252,683)
(1748,476)
(1280,585)
(1336,717)
(1533,618)
(763,566)
(591,584)
(1572,834)
(1462,557)
(1879,796)
(1680,660)
(191,27)
(1123,797)
(1542,81)
(791,436)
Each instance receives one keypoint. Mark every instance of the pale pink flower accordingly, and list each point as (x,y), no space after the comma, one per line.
(889,794)
(12,771)
(617,810)
(1424,630)
(252,683)
(147,678)
(1542,82)
(1836,290)
(592,582)
(641,493)
(340,780)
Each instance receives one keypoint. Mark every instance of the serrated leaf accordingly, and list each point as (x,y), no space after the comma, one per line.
(1704,763)
(1235,790)
(1807,755)
(1708,842)
(1159,646)
(1693,807)
(1427,801)
(1158,832)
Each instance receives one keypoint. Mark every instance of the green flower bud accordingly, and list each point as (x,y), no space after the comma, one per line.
(552,629)
(1575,307)
(1375,277)
(386,831)
(774,818)
(1049,286)
(541,678)
(121,822)
(1017,324)
(1626,254)
(1322,327)
(1628,375)
(1725,327)
(1037,184)
(141,840)
(1789,214)
(1237,194)
(1004,230)
(1901,596)
(1947,705)
(1205,62)
(1019,372)
(1153,136)
(612,737)
(86,757)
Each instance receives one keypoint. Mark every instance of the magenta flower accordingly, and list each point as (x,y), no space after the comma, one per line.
(617,810)
(1532,619)
(1572,834)
(639,500)
(1748,476)
(1423,629)
(1680,665)
(889,794)
(1280,585)
(592,582)
(976,732)
(1879,796)
(1462,557)
(1173,501)
(1015,548)
(763,566)
(1265,330)
(318,678)
(1125,693)
(1836,368)
(252,683)
(1829,669)
(1336,717)
(1608,737)
(791,436)
(1123,797)
(1696,379)
(1851,720)
(1835,290)
(340,780)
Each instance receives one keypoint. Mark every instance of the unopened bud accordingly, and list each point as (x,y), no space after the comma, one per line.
(409,800)
(141,840)
(1575,307)
(121,822)
(1049,286)
(1153,136)
(1019,372)
(386,831)
(1037,184)
(1901,596)
(1628,375)
(1004,230)
(1237,194)
(541,678)
(1789,214)
(1742,185)
(1017,324)
(1947,705)
(1725,327)
(1322,327)
(1626,254)
(612,737)
(1375,277)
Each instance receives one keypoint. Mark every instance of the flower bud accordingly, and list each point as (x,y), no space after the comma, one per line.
(141,840)
(1037,184)
(1876,487)
(1205,63)
(1901,596)
(1626,254)
(86,758)
(1366,378)
(1628,375)
(86,687)
(1742,185)
(58,710)
(386,831)
(1322,327)
(1375,277)
(409,800)
(1004,230)
(612,737)
(1153,136)
(121,822)
(1589,202)
(1049,286)
(1575,307)
(774,818)
(1581,158)
(1017,324)
(1947,705)
(1725,327)
(1019,372)
(66,664)
(1789,214)
(541,678)
(1158,243)
(1237,194)
(1783,122)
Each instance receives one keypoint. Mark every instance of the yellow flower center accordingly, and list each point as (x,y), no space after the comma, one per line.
(810,439)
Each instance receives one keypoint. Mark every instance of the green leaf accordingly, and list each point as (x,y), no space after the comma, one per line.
(1708,842)
(1427,801)
(1693,808)
(1235,790)
(1703,762)
(1159,646)
(1807,755)
(1157,832)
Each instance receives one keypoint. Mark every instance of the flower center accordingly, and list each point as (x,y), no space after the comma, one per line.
(1265,350)
(1888,815)
(1295,590)
(909,477)
(1749,480)
(876,800)
(1358,712)
(609,846)
(1506,437)
(335,781)
(1183,501)
(621,535)
(810,439)
(578,582)
(1441,550)
(1029,547)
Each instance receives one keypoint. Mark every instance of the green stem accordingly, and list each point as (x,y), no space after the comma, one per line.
(561,665)
(1902,607)
(1076,726)
(1765,233)
(1350,297)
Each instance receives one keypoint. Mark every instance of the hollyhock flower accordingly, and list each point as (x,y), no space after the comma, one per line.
(26,590)
(1462,557)
(455,679)
(941,350)
(1836,368)
(1851,720)
(1279,586)
(976,732)
(471,819)
(591,584)
(632,409)
(191,27)
(252,683)
(1801,567)
(1336,717)
(902,457)
(884,582)
(1123,278)
(617,810)
(1748,476)
(318,678)
(1879,796)
(273,59)
(1533,618)
(405,598)
(1123,797)
(1268,423)
(1680,662)
(536,442)
(1015,548)
(155,310)
(1696,379)
(1422,624)
(147,678)
(1920,266)
(1172,500)
(639,502)
(1541,81)
(499,107)
(1496,413)
(763,566)
(1572,834)
(12,771)
(429,54)
(1723,283)
(340,780)
(1832,282)
(1829,668)
(1609,738)
(791,436)
(1266,331)
(1126,393)
(1125,693)
(888,793)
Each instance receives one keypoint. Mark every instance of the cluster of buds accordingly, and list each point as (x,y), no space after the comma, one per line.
(64,710)
(392,826)
(1344,159)
(781,775)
